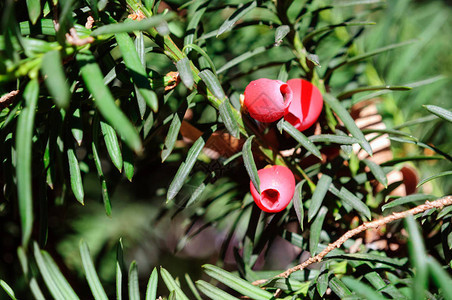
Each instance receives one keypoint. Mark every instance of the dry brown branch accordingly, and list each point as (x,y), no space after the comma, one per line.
(6,100)
(440,203)
(89,22)
(73,38)
(137,16)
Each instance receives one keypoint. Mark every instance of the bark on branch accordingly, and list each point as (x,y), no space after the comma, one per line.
(440,203)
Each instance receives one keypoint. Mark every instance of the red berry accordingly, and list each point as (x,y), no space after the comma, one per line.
(306,105)
(267,100)
(277,185)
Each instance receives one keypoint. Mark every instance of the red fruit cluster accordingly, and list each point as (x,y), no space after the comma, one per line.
(306,105)
(266,100)
(277,185)
(298,101)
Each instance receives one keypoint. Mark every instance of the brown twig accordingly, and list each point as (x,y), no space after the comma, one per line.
(89,22)
(6,99)
(139,15)
(73,38)
(440,203)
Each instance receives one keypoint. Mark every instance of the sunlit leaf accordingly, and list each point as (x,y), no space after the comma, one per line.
(198,191)
(24,133)
(185,72)
(134,289)
(416,199)
(129,168)
(77,126)
(388,131)
(442,174)
(348,94)
(184,169)
(240,12)
(213,292)
(357,2)
(137,70)
(61,282)
(281,32)
(322,281)
(319,194)
(298,202)
(98,164)
(8,290)
(36,291)
(229,118)
(212,83)
(349,198)
(440,277)
(23,259)
(192,287)
(339,288)
(377,171)
(90,272)
(194,21)
(45,26)
(399,160)
(203,53)
(171,137)
(55,78)
(423,145)
(112,144)
(417,121)
(440,112)
(250,165)
(130,26)
(171,284)
(151,290)
(361,289)
(76,176)
(141,101)
(315,230)
(331,138)
(302,139)
(348,121)
(49,280)
(94,80)
(34,10)
(236,283)
(119,269)
(418,258)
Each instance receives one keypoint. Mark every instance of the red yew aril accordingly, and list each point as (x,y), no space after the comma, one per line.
(306,105)
(277,185)
(267,100)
